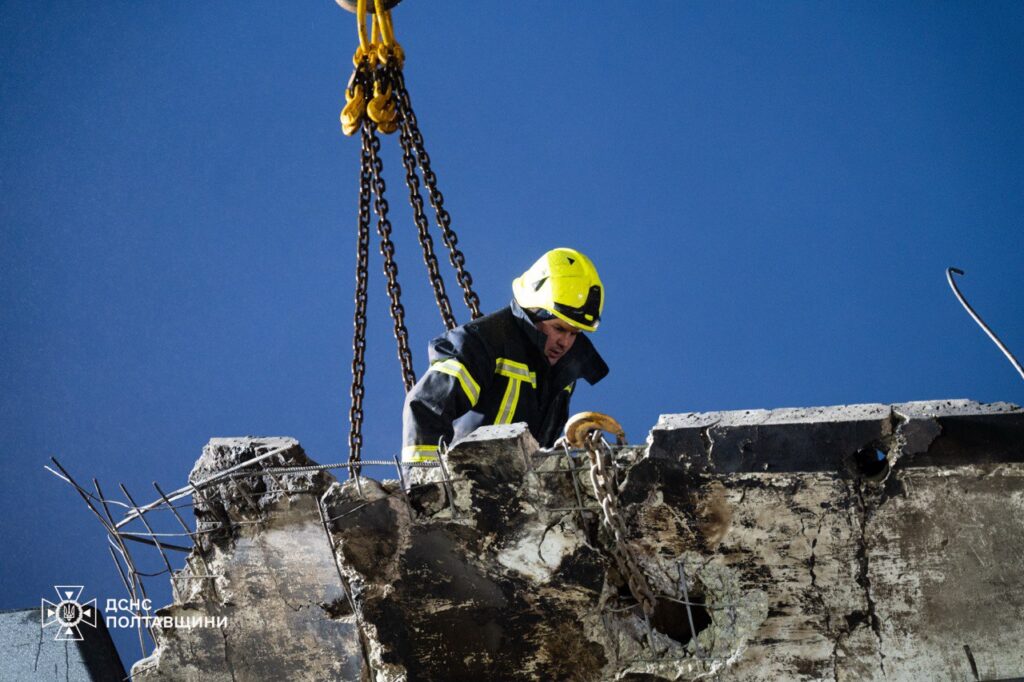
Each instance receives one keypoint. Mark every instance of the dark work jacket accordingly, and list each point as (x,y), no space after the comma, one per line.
(493,371)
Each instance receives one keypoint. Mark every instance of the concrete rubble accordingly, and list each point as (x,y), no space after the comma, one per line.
(865,542)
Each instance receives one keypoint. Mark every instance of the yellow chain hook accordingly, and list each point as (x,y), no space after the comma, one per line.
(582,424)
(352,114)
(377,46)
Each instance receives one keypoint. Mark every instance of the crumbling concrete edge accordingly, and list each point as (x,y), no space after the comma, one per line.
(831,438)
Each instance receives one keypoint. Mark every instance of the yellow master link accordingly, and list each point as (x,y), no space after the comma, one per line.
(373,51)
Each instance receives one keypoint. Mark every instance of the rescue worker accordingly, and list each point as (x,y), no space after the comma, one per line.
(519,364)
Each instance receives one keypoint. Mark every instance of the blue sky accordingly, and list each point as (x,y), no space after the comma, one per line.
(771,191)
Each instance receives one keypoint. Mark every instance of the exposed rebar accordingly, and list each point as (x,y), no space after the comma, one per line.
(981,323)
(184,526)
(689,609)
(160,549)
(133,574)
(185,491)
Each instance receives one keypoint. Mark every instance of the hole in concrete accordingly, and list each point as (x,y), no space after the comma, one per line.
(871,463)
(670,618)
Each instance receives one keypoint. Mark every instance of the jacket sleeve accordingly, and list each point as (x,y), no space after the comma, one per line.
(556,418)
(460,369)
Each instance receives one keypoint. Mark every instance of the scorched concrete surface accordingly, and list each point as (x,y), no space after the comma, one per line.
(863,542)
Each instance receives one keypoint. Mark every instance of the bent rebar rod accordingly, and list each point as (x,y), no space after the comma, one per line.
(188,489)
(981,323)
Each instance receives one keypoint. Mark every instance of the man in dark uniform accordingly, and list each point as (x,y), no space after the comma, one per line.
(519,364)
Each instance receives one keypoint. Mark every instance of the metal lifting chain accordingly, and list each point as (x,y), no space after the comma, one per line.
(603,482)
(355,413)
(422,226)
(411,128)
(377,100)
(377,91)
(387,249)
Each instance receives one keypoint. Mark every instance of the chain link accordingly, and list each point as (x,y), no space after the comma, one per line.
(388,78)
(606,491)
(411,127)
(357,391)
(387,249)
(422,227)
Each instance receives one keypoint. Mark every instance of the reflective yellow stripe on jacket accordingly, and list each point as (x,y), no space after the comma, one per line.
(517,373)
(458,370)
(419,453)
(515,370)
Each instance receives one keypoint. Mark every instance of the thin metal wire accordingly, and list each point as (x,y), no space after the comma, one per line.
(247,493)
(689,609)
(185,491)
(401,474)
(579,453)
(162,571)
(367,503)
(138,536)
(981,323)
(275,479)
(133,576)
(359,482)
(216,511)
(575,483)
(341,465)
(237,471)
(184,526)
(86,497)
(675,659)
(405,491)
(83,492)
(712,607)
(142,573)
(344,583)
(160,549)
(120,572)
(442,453)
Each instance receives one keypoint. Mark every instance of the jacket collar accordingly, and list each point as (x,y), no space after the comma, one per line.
(536,336)
(582,360)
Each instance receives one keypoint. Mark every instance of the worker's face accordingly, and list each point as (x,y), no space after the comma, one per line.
(560,337)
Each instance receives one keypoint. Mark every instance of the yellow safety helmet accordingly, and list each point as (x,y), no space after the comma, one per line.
(564,283)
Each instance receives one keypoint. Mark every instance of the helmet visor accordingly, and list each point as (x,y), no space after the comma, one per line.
(587,315)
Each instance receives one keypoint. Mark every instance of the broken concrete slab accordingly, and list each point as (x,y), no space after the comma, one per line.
(263,567)
(786,439)
(835,438)
(503,571)
(939,432)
